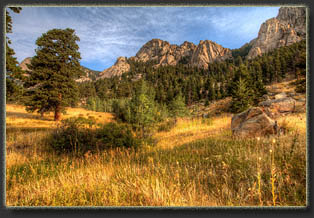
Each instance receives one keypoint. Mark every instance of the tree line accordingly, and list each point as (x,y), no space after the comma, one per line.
(243,80)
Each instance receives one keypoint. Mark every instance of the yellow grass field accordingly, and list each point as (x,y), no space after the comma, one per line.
(197,163)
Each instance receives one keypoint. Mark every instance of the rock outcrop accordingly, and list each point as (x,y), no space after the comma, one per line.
(287,28)
(252,122)
(278,106)
(121,66)
(207,52)
(162,53)
(166,54)
(23,64)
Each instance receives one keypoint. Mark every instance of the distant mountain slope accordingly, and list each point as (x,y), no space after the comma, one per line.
(90,75)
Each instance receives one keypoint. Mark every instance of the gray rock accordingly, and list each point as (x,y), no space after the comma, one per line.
(280,105)
(252,122)
(281,95)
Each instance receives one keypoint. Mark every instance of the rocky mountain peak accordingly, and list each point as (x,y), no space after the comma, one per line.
(287,28)
(163,53)
(24,63)
(207,52)
(120,66)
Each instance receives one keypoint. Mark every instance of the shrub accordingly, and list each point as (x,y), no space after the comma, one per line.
(76,136)
(73,135)
(117,135)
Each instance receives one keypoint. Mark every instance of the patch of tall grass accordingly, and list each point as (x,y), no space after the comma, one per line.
(196,163)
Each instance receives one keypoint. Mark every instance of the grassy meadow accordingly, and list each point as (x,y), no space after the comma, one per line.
(196,163)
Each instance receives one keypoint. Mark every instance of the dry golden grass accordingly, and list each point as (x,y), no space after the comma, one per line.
(196,163)
(284,86)
(16,116)
(188,130)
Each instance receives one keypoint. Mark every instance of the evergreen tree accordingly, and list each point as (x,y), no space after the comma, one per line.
(54,68)
(143,111)
(14,88)
(177,107)
(240,96)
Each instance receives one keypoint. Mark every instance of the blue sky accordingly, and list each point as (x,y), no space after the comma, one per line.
(109,32)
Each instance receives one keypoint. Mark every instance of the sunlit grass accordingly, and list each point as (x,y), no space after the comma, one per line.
(197,163)
(187,130)
(18,117)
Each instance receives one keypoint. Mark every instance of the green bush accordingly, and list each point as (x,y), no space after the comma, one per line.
(117,135)
(76,136)
(73,135)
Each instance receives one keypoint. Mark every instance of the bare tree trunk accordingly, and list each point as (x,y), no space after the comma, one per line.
(58,109)
(57,113)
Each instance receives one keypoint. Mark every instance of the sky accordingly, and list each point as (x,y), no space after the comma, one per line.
(107,33)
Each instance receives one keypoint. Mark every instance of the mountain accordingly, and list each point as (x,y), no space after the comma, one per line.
(163,53)
(89,75)
(287,28)
(121,66)
(24,63)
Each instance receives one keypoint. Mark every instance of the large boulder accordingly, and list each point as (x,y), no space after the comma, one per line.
(252,122)
(280,95)
(277,106)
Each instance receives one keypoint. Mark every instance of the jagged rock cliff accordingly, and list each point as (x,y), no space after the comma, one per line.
(163,53)
(207,52)
(121,66)
(24,63)
(287,28)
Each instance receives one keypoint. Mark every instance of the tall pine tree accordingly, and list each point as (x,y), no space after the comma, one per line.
(54,68)
(13,71)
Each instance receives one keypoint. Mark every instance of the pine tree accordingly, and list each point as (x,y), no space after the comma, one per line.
(177,107)
(14,88)
(143,110)
(240,96)
(54,68)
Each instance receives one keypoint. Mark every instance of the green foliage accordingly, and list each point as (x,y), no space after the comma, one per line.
(240,96)
(14,88)
(142,109)
(73,136)
(117,135)
(51,85)
(241,52)
(77,136)
(99,105)
(214,83)
(177,107)
(121,109)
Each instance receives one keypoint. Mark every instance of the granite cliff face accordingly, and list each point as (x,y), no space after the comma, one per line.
(121,66)
(163,53)
(287,28)
(23,65)
(207,52)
